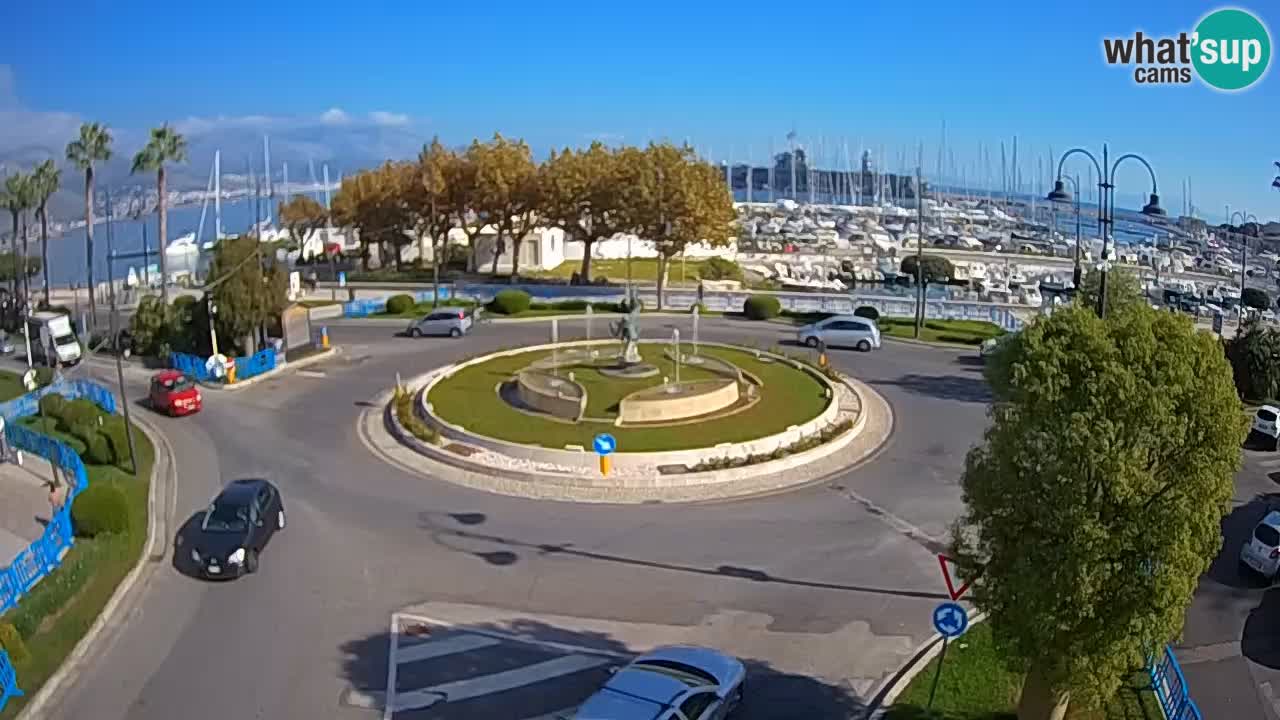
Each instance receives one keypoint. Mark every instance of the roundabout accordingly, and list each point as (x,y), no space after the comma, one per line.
(713,421)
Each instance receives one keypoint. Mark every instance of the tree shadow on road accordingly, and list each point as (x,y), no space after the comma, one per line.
(1260,639)
(502,551)
(771,692)
(1227,569)
(945,387)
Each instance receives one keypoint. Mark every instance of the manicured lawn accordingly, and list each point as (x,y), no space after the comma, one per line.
(956,332)
(537,309)
(59,611)
(390,274)
(789,397)
(976,685)
(10,386)
(642,270)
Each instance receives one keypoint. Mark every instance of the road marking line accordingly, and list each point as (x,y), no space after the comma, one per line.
(1269,463)
(312,373)
(565,714)
(366,699)
(388,707)
(517,638)
(444,646)
(460,690)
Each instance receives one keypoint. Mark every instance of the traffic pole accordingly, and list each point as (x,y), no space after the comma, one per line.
(605,465)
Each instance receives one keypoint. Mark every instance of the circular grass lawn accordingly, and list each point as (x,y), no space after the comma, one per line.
(469,398)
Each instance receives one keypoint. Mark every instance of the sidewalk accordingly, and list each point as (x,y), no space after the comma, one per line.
(24,505)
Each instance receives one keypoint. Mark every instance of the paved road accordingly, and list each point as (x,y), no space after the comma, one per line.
(1230,652)
(835,581)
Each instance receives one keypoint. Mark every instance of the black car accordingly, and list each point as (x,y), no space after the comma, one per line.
(236,528)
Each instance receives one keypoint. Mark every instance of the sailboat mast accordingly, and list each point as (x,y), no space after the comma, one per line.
(266,171)
(217,195)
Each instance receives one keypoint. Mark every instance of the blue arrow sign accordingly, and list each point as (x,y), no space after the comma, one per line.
(604,444)
(950,620)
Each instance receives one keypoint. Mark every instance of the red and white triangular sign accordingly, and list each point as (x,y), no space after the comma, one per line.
(955,594)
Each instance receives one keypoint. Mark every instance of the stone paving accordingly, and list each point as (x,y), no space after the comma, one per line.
(24,505)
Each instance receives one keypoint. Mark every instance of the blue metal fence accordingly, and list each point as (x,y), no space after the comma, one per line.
(193,366)
(8,680)
(1170,688)
(46,553)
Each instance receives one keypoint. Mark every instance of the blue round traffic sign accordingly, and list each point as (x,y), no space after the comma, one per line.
(604,444)
(950,620)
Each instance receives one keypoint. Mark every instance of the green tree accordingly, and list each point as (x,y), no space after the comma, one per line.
(1092,507)
(18,197)
(936,268)
(1255,298)
(676,201)
(1124,290)
(165,146)
(301,216)
(45,182)
(509,192)
(93,146)
(584,193)
(1254,355)
(374,203)
(432,206)
(10,264)
(246,295)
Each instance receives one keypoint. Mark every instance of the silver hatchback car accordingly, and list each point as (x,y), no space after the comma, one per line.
(671,683)
(454,322)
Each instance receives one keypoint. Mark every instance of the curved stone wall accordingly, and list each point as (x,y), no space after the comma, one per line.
(670,403)
(555,396)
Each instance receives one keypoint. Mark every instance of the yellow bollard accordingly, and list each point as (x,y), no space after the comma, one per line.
(604,464)
(231,375)
(324,337)
(822,360)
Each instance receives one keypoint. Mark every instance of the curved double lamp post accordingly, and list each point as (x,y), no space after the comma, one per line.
(1106,204)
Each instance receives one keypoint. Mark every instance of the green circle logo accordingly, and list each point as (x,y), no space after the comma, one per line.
(1232,49)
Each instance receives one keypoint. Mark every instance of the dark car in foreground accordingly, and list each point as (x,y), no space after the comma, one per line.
(235,529)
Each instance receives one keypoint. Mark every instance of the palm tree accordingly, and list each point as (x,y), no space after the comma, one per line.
(93,146)
(165,146)
(11,198)
(45,182)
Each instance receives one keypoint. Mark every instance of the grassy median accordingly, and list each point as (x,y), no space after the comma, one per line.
(977,685)
(58,611)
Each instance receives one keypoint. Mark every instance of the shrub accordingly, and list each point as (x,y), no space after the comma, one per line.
(101,508)
(49,426)
(117,435)
(51,405)
(510,302)
(410,420)
(399,304)
(98,449)
(868,312)
(79,411)
(11,642)
(762,307)
(571,305)
(717,268)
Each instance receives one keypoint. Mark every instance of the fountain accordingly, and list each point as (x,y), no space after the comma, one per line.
(629,364)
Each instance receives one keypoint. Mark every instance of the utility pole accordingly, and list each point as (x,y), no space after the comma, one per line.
(115,335)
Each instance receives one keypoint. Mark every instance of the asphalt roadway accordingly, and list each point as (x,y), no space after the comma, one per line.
(849,560)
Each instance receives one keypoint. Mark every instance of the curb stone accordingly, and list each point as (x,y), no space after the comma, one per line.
(159,495)
(278,370)
(889,690)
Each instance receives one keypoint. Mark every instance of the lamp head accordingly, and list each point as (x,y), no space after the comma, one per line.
(1060,193)
(1153,209)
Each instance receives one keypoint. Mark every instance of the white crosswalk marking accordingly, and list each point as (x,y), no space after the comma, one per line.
(443,646)
(460,690)
(1273,462)
(565,714)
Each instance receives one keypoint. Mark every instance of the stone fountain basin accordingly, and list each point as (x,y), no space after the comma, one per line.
(678,401)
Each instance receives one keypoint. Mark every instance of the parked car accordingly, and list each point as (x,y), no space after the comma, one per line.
(670,683)
(841,331)
(1261,552)
(236,528)
(453,322)
(174,394)
(1266,425)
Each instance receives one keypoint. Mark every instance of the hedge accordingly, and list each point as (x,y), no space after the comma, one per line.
(11,642)
(762,307)
(868,312)
(397,304)
(100,508)
(510,302)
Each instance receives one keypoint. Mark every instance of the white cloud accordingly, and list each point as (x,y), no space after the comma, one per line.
(335,116)
(201,125)
(389,119)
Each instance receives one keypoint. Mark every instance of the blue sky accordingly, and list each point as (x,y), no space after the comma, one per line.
(726,77)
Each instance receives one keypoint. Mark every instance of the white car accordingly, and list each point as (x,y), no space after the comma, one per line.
(453,322)
(841,331)
(1266,423)
(1261,552)
(670,683)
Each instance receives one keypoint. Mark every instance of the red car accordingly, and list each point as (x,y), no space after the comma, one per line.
(174,394)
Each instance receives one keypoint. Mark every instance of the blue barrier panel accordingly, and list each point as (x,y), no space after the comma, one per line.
(1170,688)
(190,365)
(8,680)
(256,364)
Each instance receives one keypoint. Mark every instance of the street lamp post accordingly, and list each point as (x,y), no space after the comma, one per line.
(1076,273)
(115,334)
(1106,204)
(1244,258)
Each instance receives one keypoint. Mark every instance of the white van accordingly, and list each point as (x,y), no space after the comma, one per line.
(52,339)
